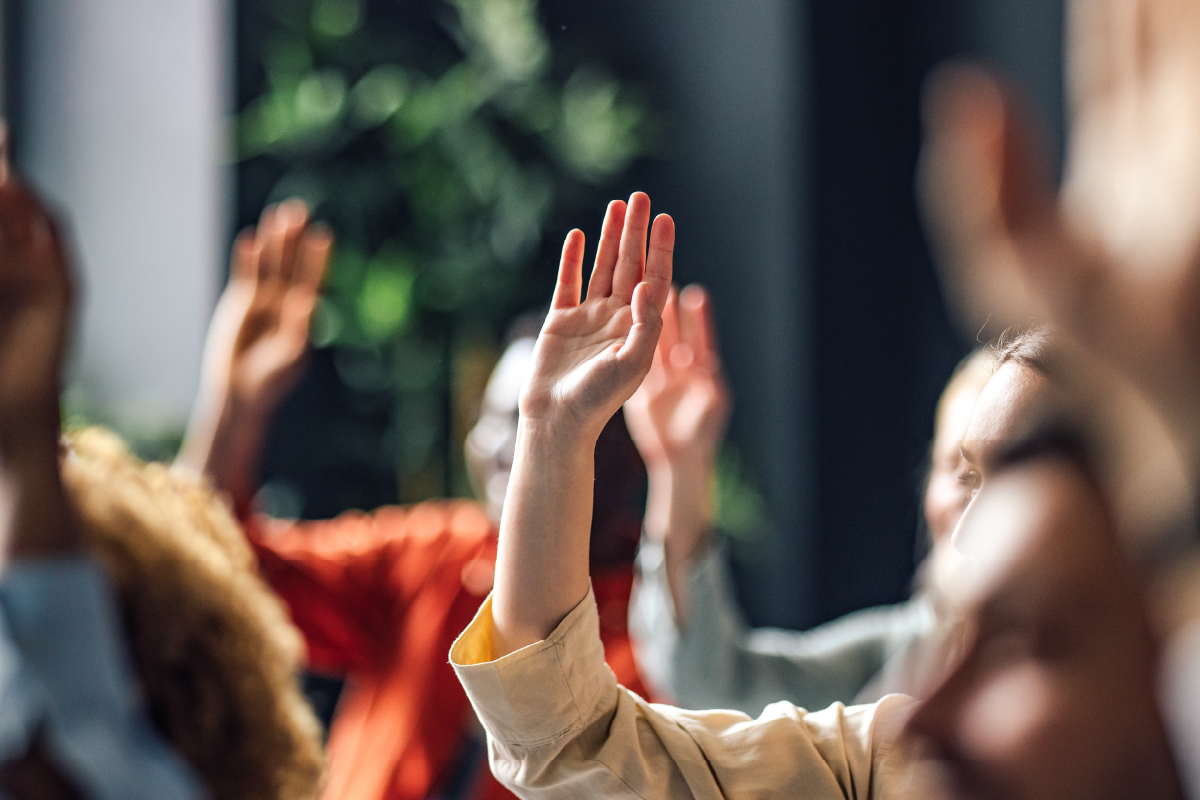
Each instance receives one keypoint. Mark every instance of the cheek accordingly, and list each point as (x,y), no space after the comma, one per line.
(1011,720)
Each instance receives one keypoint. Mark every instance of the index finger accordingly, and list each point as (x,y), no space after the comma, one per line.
(698,326)
(316,244)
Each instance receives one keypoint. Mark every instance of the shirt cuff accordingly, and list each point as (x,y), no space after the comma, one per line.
(540,693)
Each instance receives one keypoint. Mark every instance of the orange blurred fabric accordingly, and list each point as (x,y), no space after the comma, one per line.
(380,599)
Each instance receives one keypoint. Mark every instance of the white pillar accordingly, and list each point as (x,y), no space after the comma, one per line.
(122,127)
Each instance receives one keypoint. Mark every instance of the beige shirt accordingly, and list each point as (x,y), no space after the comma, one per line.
(559,726)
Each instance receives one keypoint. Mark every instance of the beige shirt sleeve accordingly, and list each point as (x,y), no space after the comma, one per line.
(559,726)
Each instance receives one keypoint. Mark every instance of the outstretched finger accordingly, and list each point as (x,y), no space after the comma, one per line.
(266,239)
(277,237)
(243,257)
(291,218)
(607,249)
(570,272)
(698,329)
(313,259)
(631,260)
(670,335)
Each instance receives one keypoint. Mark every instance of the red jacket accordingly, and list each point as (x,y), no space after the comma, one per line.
(380,598)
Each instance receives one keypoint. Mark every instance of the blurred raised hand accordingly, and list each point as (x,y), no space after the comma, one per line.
(259,331)
(257,340)
(35,309)
(678,415)
(677,418)
(35,314)
(1112,259)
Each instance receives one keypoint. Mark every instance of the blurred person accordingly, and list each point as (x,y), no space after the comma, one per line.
(380,597)
(1112,258)
(690,638)
(174,640)
(1054,694)
(560,726)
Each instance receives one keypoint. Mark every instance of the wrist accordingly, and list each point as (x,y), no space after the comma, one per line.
(679,510)
(224,442)
(556,440)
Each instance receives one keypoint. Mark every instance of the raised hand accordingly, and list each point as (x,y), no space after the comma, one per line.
(35,309)
(678,415)
(259,331)
(591,356)
(1113,260)
(677,418)
(256,344)
(589,359)
(35,313)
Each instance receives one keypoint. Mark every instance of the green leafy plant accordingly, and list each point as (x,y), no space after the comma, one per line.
(440,176)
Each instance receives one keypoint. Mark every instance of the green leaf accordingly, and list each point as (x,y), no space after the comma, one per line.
(320,98)
(385,301)
(337,18)
(598,136)
(378,95)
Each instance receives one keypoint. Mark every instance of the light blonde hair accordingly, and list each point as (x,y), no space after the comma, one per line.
(213,648)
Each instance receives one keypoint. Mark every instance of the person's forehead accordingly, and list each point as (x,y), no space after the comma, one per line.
(504,386)
(952,422)
(1007,400)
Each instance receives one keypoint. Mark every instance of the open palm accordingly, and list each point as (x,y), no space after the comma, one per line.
(678,415)
(259,333)
(1113,260)
(592,355)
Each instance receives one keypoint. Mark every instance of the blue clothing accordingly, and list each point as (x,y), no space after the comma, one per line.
(65,672)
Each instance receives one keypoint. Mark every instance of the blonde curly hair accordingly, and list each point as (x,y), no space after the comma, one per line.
(214,649)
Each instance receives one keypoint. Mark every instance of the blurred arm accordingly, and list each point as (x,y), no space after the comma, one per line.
(64,671)
(719,662)
(677,419)
(254,352)
(349,582)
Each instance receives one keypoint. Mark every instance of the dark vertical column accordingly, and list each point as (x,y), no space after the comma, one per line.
(731,77)
(873,284)
(884,345)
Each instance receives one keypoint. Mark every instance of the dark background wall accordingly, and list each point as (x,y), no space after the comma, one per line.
(789,169)
(797,132)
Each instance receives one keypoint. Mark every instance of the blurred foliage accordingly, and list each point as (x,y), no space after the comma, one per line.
(741,510)
(440,177)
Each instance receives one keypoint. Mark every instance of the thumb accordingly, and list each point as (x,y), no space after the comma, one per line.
(637,354)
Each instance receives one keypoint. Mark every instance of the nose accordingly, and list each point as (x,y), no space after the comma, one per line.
(963,521)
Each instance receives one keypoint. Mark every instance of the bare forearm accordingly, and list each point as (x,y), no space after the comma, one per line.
(225,443)
(542,563)
(679,513)
(41,524)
